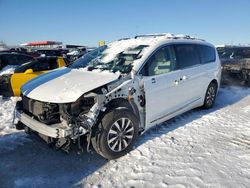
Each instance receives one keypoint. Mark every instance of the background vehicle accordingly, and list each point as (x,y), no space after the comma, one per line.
(118,91)
(76,54)
(13,59)
(51,52)
(10,84)
(235,63)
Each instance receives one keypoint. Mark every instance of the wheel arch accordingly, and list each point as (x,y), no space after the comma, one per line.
(122,103)
(216,83)
(115,104)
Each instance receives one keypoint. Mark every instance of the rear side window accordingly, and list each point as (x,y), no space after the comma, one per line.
(187,55)
(207,54)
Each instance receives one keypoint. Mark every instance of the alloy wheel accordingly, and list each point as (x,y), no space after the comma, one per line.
(120,134)
(210,96)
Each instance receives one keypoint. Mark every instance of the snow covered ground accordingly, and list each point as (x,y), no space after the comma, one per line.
(202,148)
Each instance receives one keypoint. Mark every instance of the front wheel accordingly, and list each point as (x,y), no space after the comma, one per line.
(117,133)
(210,95)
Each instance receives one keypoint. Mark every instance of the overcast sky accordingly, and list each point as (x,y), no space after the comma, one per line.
(87,22)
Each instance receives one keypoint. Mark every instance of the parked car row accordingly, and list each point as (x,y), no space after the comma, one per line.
(13,59)
(118,91)
(11,83)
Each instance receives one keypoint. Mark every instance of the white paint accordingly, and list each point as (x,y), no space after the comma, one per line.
(66,87)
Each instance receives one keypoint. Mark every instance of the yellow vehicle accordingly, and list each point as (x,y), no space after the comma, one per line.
(10,84)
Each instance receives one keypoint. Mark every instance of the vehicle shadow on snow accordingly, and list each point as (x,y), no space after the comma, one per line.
(31,164)
(27,162)
(227,96)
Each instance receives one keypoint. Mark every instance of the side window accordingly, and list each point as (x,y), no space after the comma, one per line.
(207,54)
(25,59)
(42,65)
(187,55)
(21,59)
(12,59)
(158,63)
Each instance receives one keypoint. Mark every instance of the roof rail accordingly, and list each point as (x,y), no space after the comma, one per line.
(184,37)
(169,36)
(123,39)
(151,35)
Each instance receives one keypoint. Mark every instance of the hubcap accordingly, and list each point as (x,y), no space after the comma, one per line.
(120,134)
(210,96)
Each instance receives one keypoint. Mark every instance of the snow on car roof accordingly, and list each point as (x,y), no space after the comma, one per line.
(119,46)
(122,45)
(9,69)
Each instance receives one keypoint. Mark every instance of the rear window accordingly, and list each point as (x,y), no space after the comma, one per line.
(207,54)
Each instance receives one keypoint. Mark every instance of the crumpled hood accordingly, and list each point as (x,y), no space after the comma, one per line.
(65,85)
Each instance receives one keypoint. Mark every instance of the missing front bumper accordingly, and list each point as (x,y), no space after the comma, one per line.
(58,130)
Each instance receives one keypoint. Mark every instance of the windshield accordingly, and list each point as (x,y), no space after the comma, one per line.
(106,58)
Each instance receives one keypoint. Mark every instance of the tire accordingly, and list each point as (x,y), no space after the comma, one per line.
(118,131)
(210,96)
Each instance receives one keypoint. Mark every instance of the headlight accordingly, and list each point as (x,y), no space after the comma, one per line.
(83,104)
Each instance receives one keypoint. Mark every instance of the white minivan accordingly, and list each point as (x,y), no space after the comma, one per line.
(118,91)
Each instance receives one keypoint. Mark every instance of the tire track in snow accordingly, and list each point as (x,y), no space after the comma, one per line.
(198,149)
(202,148)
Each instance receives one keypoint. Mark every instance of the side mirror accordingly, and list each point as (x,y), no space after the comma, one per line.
(28,71)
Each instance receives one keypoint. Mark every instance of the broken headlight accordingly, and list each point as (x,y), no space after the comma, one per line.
(82,105)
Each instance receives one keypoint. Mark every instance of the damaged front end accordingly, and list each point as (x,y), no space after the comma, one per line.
(58,123)
(63,123)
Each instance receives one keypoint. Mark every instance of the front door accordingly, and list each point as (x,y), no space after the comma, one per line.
(162,86)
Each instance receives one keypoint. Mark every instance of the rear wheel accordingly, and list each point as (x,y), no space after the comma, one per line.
(210,95)
(117,133)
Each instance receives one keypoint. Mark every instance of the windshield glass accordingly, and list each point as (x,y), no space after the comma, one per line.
(106,58)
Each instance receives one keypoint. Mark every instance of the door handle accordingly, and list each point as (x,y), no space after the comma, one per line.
(183,78)
(153,80)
